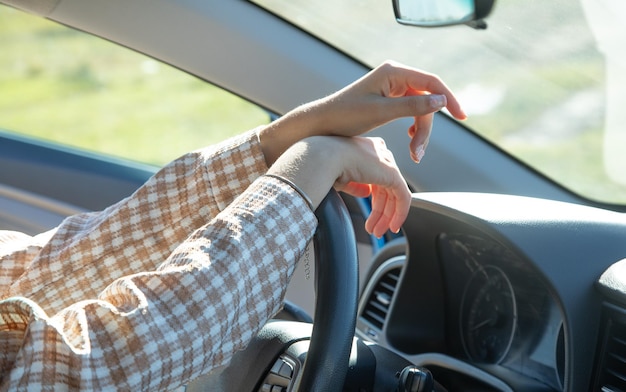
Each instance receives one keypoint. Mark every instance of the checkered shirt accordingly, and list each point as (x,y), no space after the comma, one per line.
(157,289)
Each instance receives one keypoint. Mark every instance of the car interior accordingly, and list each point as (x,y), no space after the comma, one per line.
(501,279)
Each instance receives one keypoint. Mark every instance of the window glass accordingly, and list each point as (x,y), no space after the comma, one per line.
(69,87)
(544,82)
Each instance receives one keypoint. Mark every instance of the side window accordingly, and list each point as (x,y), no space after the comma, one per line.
(69,87)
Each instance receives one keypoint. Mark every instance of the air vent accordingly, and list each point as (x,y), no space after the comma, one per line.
(612,375)
(380,297)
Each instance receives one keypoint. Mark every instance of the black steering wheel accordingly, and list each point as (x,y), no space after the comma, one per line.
(337,286)
(327,355)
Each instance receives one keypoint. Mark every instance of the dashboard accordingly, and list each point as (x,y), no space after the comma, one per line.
(494,292)
(499,310)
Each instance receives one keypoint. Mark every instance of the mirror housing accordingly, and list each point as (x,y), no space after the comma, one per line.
(438,13)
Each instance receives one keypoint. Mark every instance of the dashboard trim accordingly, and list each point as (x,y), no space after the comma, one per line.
(388,265)
(445,361)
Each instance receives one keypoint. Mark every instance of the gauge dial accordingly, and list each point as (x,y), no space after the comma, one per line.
(488,315)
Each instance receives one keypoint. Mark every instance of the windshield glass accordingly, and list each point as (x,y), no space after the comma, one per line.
(545,81)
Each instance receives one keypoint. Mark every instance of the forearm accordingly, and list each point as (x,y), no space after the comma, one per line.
(140,231)
(312,165)
(275,138)
(157,329)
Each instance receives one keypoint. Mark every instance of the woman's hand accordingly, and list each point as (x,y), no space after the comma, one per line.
(386,93)
(356,165)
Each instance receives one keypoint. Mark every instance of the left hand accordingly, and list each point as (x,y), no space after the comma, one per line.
(388,92)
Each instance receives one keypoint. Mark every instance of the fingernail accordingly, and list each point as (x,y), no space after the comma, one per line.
(419,153)
(437,101)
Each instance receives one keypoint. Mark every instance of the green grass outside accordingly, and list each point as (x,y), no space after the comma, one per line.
(66,86)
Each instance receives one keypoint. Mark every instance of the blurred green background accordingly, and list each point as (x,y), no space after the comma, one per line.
(66,86)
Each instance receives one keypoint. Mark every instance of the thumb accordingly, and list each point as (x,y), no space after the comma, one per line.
(415,105)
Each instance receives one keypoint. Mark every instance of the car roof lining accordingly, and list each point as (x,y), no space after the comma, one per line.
(39,7)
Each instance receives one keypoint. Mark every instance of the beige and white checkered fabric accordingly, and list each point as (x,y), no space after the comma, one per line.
(157,289)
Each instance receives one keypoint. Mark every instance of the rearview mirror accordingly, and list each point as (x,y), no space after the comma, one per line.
(436,13)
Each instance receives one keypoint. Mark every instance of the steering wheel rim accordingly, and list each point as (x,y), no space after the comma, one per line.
(337,282)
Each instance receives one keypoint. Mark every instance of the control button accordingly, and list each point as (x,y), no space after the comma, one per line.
(277,365)
(286,370)
(279,377)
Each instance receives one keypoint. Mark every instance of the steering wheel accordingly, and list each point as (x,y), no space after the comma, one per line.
(322,365)
(336,266)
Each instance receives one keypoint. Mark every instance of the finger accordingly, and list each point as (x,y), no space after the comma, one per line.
(438,89)
(388,212)
(402,207)
(421,135)
(412,130)
(378,202)
(403,79)
(411,105)
(395,209)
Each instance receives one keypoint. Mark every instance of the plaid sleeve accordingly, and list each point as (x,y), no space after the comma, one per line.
(16,252)
(161,323)
(88,251)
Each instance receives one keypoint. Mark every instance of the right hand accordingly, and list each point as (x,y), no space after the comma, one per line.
(388,92)
(359,166)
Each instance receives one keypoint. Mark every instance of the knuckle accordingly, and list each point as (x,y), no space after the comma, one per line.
(416,104)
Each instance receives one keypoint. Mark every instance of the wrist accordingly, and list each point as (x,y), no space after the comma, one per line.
(312,165)
(298,124)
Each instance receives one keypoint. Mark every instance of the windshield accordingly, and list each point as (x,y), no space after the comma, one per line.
(545,81)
